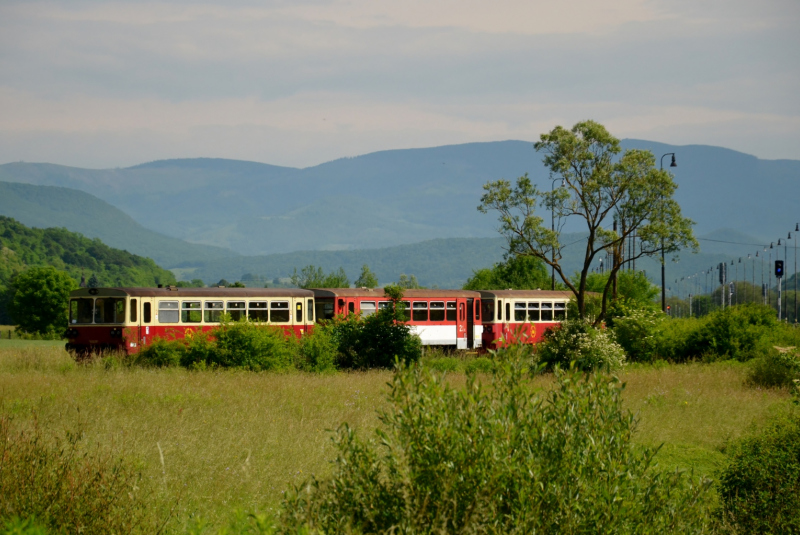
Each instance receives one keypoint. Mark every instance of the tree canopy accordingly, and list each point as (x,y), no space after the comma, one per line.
(517,272)
(314,277)
(617,196)
(39,300)
(367,279)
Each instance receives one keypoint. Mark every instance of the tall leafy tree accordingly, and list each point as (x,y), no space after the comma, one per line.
(517,272)
(40,299)
(367,279)
(616,195)
(315,277)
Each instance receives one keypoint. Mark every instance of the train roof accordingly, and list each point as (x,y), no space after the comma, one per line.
(174,291)
(407,294)
(539,294)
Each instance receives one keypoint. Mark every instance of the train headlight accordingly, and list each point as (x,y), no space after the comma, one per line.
(116,333)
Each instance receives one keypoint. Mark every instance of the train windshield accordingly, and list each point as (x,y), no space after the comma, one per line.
(99,310)
(81,310)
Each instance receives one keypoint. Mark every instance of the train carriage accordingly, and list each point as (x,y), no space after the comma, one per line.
(520,315)
(129,318)
(438,317)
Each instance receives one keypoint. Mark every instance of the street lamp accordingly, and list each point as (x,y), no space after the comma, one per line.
(663,294)
(553,228)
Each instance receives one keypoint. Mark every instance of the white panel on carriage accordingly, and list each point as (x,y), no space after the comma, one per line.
(436,335)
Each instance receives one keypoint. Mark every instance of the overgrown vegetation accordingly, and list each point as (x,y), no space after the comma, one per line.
(575,342)
(497,459)
(67,488)
(517,272)
(760,489)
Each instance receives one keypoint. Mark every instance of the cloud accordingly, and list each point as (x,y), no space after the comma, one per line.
(342,77)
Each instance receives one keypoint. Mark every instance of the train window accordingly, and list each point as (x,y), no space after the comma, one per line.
(310,310)
(508,311)
(451,311)
(298,316)
(478,310)
(500,310)
(109,310)
(420,311)
(191,312)
(560,311)
(341,306)
(547,311)
(405,313)
(257,311)
(437,310)
(213,311)
(235,310)
(324,310)
(487,309)
(367,308)
(461,315)
(80,310)
(147,312)
(279,312)
(134,309)
(519,312)
(351,307)
(533,311)
(168,312)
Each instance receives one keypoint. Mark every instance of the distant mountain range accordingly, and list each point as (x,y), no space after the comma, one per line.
(403,211)
(396,197)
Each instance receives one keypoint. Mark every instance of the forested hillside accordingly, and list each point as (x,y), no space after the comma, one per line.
(22,247)
(78,211)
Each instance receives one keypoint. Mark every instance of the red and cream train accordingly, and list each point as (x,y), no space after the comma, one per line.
(129,318)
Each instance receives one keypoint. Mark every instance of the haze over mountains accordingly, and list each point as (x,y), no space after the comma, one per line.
(376,201)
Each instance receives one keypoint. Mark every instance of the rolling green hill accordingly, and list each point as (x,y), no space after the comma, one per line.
(22,247)
(77,211)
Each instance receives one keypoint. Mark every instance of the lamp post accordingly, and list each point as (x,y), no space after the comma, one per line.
(663,293)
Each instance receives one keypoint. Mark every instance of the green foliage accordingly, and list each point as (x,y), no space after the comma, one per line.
(517,272)
(314,277)
(777,368)
(576,342)
(598,185)
(760,489)
(66,488)
(22,247)
(194,283)
(377,341)
(19,526)
(632,286)
(366,279)
(243,345)
(408,282)
(635,330)
(497,459)
(318,350)
(39,300)
(162,353)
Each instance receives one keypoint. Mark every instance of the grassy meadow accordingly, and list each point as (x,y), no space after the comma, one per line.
(217,442)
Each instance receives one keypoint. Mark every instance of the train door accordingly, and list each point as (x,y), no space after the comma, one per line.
(470,323)
(461,325)
(147,308)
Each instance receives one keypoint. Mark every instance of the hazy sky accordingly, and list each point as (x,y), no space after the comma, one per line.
(107,84)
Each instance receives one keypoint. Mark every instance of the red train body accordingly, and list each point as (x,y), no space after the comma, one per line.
(130,318)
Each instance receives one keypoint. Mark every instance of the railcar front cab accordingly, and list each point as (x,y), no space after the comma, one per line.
(439,317)
(520,315)
(128,318)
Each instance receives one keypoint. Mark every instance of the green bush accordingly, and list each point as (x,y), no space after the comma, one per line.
(318,350)
(635,330)
(479,365)
(497,459)
(775,369)
(162,352)
(66,488)
(760,489)
(576,341)
(251,346)
(375,341)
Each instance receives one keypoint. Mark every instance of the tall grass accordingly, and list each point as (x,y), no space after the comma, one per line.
(231,440)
